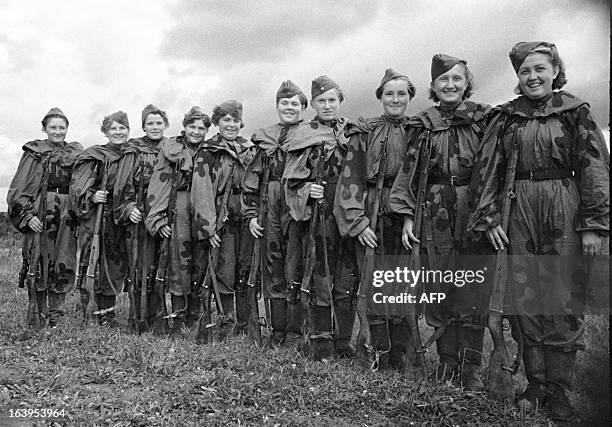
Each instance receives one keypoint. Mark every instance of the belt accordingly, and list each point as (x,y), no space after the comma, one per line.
(58,190)
(543,175)
(456,181)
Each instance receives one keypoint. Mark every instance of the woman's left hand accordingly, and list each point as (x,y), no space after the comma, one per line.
(591,243)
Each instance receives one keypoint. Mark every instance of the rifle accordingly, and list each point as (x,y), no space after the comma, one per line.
(317,220)
(500,370)
(144,268)
(254,283)
(203,336)
(38,250)
(161,317)
(367,270)
(133,273)
(94,252)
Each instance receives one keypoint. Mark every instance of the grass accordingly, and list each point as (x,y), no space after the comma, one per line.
(103,376)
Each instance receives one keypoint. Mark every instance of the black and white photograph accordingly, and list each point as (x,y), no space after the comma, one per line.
(308,213)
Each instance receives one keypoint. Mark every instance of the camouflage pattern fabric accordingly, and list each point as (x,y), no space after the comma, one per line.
(547,216)
(454,139)
(86,180)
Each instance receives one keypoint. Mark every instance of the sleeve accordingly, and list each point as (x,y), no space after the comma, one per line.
(250,187)
(350,198)
(202,197)
(124,192)
(297,188)
(402,198)
(24,192)
(592,166)
(158,194)
(487,175)
(83,188)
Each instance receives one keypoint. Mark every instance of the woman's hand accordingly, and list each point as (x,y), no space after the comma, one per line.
(255,228)
(591,243)
(135,215)
(407,235)
(100,196)
(317,191)
(367,238)
(35,224)
(497,237)
(214,240)
(165,231)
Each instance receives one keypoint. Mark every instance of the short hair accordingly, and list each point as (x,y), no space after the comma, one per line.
(410,86)
(159,111)
(556,61)
(219,112)
(302,97)
(338,91)
(189,119)
(45,121)
(469,89)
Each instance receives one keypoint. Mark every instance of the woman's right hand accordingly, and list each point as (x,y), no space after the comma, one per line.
(255,228)
(214,240)
(35,224)
(100,196)
(135,216)
(497,237)
(316,191)
(407,235)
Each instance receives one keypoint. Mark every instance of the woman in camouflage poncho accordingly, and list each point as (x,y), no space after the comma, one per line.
(370,141)
(88,174)
(52,158)
(454,128)
(560,211)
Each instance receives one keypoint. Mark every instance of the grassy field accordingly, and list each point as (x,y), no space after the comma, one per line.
(100,376)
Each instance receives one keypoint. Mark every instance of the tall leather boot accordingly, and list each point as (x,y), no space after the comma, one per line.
(559,369)
(448,352)
(295,312)
(379,333)
(345,316)
(226,322)
(399,333)
(278,318)
(322,343)
(242,306)
(178,308)
(470,353)
(534,359)
(194,310)
(56,307)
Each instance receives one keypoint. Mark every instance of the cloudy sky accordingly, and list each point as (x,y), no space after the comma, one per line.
(94,57)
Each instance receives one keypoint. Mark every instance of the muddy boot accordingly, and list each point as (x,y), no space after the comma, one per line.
(106,304)
(278,318)
(345,316)
(242,307)
(534,359)
(322,342)
(226,322)
(179,311)
(295,312)
(448,360)
(56,307)
(194,310)
(380,341)
(559,370)
(400,335)
(470,352)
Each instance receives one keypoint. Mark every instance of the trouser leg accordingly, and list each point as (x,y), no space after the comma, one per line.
(470,352)
(534,359)
(559,370)
(448,352)
(278,317)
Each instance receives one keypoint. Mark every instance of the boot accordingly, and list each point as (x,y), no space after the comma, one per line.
(295,312)
(559,369)
(107,318)
(470,352)
(226,322)
(400,334)
(379,333)
(194,310)
(534,396)
(242,306)
(179,309)
(345,316)
(56,307)
(322,344)
(448,361)
(278,318)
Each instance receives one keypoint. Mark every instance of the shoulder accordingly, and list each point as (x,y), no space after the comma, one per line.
(37,147)
(475,111)
(361,126)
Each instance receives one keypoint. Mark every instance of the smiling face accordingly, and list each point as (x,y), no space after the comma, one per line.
(229,127)
(327,105)
(395,97)
(154,126)
(289,110)
(536,75)
(117,133)
(56,130)
(195,132)
(450,86)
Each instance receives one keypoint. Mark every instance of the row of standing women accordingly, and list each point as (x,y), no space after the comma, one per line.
(202,194)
